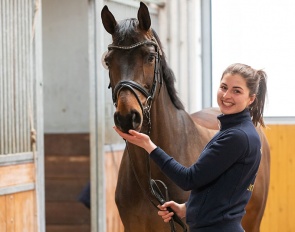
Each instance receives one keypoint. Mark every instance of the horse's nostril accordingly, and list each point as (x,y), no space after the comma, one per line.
(136,120)
(116,118)
(131,121)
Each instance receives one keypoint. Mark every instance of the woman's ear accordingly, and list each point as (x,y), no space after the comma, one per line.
(252,99)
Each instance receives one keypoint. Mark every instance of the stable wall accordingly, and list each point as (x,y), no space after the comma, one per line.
(279,214)
(65,66)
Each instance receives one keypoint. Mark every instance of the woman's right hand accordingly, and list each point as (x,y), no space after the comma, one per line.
(179,209)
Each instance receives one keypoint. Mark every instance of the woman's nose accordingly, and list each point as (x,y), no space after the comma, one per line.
(226,94)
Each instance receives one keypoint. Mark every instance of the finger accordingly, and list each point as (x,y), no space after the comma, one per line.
(161,207)
(167,220)
(133,132)
(168,204)
(136,134)
(163,213)
(167,217)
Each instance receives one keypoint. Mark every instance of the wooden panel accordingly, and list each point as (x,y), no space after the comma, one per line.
(66,144)
(17,212)
(67,213)
(10,212)
(112,163)
(67,171)
(279,215)
(68,228)
(3,214)
(67,167)
(16,174)
(24,208)
(59,190)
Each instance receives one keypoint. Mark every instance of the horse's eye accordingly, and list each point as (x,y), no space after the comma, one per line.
(104,62)
(151,58)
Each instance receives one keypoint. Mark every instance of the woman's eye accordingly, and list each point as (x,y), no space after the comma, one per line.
(223,87)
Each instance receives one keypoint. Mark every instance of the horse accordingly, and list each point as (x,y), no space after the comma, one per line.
(146,100)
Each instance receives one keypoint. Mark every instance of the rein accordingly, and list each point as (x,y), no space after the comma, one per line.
(132,85)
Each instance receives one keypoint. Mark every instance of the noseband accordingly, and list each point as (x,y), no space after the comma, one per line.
(132,85)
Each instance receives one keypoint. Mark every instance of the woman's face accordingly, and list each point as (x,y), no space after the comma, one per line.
(233,94)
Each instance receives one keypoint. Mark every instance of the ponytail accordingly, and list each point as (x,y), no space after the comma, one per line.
(257,107)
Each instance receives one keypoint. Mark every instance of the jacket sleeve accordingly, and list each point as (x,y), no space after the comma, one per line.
(215,159)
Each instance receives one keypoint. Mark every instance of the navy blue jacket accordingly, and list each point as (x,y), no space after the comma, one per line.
(222,179)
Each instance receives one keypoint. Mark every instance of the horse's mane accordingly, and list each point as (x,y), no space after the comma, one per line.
(127,30)
(168,77)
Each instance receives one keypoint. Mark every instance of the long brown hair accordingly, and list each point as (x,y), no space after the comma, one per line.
(256,82)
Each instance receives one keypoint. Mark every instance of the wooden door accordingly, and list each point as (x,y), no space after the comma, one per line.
(21,119)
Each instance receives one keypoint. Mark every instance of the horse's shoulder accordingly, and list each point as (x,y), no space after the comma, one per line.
(207,118)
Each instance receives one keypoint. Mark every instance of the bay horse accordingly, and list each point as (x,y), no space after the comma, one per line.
(146,100)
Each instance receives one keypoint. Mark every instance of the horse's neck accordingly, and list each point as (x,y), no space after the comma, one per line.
(173,129)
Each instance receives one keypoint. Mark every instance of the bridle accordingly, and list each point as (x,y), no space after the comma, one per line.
(150,95)
(132,85)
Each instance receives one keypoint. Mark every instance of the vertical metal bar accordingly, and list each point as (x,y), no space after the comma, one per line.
(17,73)
(206,53)
(183,53)
(1,80)
(20,65)
(26,72)
(13,74)
(4,33)
(194,56)
(10,76)
(6,126)
(97,119)
(31,74)
(11,79)
(37,95)
(22,71)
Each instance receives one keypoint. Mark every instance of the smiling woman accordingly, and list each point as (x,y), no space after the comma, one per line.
(241,87)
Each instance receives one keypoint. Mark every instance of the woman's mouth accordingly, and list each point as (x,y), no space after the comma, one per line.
(227,104)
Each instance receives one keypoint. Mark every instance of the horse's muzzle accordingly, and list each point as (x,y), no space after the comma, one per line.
(130,121)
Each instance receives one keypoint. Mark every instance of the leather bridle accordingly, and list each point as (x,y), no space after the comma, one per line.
(150,95)
(132,85)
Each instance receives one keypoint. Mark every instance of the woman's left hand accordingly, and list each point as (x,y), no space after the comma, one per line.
(139,139)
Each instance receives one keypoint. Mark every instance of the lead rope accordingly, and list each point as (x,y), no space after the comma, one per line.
(154,188)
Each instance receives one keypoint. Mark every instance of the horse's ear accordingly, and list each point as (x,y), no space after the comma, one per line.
(108,20)
(143,17)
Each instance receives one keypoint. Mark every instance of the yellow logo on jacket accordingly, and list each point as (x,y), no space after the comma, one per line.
(251,187)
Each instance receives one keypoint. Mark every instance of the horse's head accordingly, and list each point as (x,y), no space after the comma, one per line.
(133,61)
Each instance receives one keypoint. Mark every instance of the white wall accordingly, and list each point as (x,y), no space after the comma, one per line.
(261,34)
(180,33)
(65,66)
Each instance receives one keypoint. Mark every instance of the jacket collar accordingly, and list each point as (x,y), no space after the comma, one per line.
(230,120)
